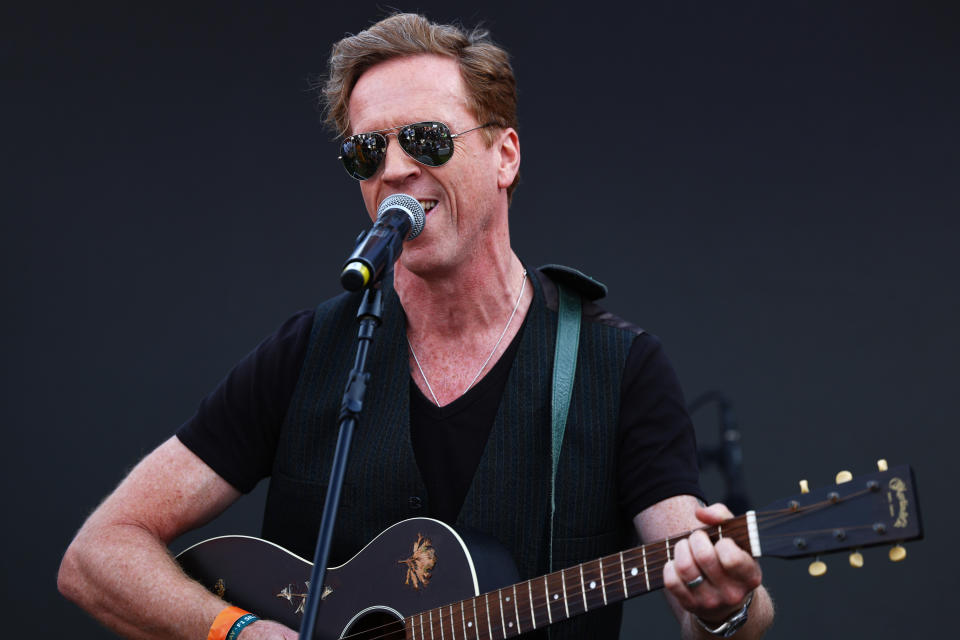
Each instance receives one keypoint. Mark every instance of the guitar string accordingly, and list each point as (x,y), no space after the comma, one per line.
(538,603)
(482,609)
(656,577)
(522,621)
(655,564)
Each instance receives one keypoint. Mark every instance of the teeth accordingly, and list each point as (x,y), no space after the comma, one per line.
(427,204)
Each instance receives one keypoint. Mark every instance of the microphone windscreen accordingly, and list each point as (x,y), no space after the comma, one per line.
(412,208)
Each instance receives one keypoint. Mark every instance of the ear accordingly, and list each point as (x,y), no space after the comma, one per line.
(509,158)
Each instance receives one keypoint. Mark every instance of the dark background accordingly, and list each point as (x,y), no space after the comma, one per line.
(770,187)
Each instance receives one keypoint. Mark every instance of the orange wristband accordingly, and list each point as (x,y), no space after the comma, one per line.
(224,622)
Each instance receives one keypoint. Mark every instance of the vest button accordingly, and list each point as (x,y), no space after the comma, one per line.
(414,502)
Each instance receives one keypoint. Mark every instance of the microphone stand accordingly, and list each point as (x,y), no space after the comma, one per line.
(727,454)
(370,316)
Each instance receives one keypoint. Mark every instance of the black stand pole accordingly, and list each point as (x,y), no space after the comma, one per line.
(369,315)
(727,454)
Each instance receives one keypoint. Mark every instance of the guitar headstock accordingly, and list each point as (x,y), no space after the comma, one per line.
(876,509)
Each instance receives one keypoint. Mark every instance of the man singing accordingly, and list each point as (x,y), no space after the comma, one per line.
(457,421)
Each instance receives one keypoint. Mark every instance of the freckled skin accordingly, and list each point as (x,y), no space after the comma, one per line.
(730,573)
(118,567)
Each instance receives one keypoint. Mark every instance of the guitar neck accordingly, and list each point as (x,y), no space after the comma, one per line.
(540,602)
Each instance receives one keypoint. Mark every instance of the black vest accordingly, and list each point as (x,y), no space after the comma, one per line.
(509,496)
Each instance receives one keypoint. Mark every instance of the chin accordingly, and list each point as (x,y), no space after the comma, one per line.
(423,263)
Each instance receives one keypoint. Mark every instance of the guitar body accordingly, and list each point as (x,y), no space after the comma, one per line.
(415,565)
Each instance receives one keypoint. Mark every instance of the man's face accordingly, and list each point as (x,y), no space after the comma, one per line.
(459,197)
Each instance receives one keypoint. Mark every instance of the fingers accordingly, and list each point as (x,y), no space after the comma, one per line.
(685,565)
(728,574)
(737,564)
(705,556)
(713,514)
(690,583)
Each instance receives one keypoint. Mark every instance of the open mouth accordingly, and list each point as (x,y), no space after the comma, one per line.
(427,205)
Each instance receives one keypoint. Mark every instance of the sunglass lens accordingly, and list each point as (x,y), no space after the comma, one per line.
(362,154)
(427,142)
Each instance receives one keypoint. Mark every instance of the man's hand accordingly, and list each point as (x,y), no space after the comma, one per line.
(710,580)
(728,573)
(267,630)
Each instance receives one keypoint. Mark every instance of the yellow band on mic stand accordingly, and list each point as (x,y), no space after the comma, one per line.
(358,267)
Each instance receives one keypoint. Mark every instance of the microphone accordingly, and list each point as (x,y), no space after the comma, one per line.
(399,217)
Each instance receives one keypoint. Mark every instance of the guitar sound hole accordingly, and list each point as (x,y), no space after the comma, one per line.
(375,624)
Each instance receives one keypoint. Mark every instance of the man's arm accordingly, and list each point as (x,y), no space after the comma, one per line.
(118,567)
(729,573)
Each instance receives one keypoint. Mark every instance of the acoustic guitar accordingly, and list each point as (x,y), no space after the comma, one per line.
(421,580)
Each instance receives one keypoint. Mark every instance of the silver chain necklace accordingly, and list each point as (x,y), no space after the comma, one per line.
(484,365)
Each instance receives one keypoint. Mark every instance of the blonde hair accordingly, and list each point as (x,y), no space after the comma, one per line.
(484,66)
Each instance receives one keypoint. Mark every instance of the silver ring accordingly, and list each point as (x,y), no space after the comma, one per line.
(696,582)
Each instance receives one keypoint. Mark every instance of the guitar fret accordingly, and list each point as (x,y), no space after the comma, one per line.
(667,543)
(463,618)
(503,623)
(486,601)
(516,611)
(603,582)
(453,634)
(413,628)
(583,590)
(421,626)
(473,623)
(563,584)
(546,594)
(623,576)
(646,574)
(532,615)
(431,624)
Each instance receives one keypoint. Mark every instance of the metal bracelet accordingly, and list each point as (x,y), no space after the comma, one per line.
(732,624)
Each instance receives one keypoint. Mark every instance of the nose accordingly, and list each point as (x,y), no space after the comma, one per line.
(398,167)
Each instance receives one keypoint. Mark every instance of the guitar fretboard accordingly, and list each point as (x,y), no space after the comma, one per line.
(539,602)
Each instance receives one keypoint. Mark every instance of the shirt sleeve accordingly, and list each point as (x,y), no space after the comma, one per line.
(657,445)
(236,427)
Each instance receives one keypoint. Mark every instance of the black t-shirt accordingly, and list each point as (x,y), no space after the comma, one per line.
(448,441)
(236,427)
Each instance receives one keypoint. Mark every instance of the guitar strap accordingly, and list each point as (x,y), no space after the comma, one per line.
(564,368)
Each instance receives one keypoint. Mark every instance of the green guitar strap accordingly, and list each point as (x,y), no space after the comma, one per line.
(564,367)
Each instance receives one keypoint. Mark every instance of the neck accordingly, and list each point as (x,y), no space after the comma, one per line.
(460,321)
(470,298)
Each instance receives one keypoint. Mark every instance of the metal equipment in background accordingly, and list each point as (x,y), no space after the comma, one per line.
(727,454)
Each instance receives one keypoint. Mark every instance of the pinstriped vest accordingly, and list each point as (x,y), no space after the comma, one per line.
(509,496)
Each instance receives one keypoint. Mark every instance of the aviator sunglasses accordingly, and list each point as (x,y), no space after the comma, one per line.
(429,143)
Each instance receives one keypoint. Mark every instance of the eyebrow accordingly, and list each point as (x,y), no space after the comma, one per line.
(401,126)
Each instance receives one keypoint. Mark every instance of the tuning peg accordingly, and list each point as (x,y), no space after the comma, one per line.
(897,553)
(817,568)
(882,464)
(804,487)
(844,476)
(856,560)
